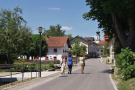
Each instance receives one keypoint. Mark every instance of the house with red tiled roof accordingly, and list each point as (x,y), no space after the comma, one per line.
(57,46)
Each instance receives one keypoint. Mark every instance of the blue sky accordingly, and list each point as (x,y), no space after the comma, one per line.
(67,13)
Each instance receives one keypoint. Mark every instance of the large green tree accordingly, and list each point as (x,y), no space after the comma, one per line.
(54,31)
(34,46)
(15,36)
(115,17)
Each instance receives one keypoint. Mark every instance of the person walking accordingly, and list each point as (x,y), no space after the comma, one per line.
(70,63)
(63,63)
(82,62)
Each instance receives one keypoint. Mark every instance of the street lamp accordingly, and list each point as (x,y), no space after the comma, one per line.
(40,31)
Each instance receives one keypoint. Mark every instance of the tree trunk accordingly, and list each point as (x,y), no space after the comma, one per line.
(131,37)
(126,39)
(119,30)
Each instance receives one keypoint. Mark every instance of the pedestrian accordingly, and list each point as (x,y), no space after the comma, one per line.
(82,62)
(70,63)
(63,65)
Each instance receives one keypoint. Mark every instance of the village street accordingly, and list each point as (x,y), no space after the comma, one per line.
(95,77)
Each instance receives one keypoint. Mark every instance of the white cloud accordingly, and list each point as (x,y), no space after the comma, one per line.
(53,8)
(66,28)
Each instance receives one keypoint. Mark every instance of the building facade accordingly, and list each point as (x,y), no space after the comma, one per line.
(88,42)
(57,46)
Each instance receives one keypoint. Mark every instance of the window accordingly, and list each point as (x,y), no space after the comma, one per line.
(64,51)
(55,58)
(101,50)
(55,50)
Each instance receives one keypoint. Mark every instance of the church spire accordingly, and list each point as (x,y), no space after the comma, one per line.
(97,36)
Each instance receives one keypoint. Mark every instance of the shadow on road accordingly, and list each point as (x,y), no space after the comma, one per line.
(63,76)
(80,73)
(107,71)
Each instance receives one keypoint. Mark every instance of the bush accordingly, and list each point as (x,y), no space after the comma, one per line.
(87,55)
(51,64)
(22,60)
(126,62)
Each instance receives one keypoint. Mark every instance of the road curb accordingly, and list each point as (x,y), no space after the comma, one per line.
(114,85)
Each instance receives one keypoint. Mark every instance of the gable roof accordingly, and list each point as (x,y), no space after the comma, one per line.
(100,46)
(89,38)
(78,37)
(56,41)
(102,42)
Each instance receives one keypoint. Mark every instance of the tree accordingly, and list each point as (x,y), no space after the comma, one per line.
(78,49)
(83,50)
(54,31)
(70,36)
(15,35)
(34,46)
(115,17)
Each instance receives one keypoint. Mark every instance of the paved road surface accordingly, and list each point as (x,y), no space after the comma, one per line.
(95,77)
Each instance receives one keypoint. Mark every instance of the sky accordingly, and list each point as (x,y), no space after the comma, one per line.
(44,13)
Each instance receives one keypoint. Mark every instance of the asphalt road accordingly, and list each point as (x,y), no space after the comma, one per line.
(95,77)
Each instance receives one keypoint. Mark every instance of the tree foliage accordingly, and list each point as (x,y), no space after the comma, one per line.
(35,45)
(70,36)
(126,62)
(15,36)
(54,31)
(115,17)
(78,49)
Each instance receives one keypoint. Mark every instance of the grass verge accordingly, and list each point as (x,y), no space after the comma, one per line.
(127,85)
(123,85)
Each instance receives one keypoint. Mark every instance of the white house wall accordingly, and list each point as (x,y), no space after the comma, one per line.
(59,52)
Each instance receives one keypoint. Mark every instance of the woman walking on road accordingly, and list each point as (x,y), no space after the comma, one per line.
(70,63)
(82,62)
(63,65)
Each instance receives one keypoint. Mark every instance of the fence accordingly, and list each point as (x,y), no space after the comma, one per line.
(22,68)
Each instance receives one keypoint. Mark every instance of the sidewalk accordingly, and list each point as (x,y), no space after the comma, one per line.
(45,75)
(26,75)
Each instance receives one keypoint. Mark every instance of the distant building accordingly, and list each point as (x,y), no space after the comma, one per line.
(100,47)
(88,42)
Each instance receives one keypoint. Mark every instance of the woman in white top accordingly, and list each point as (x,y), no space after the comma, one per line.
(81,61)
(63,63)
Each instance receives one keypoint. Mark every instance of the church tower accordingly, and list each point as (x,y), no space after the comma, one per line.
(97,36)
